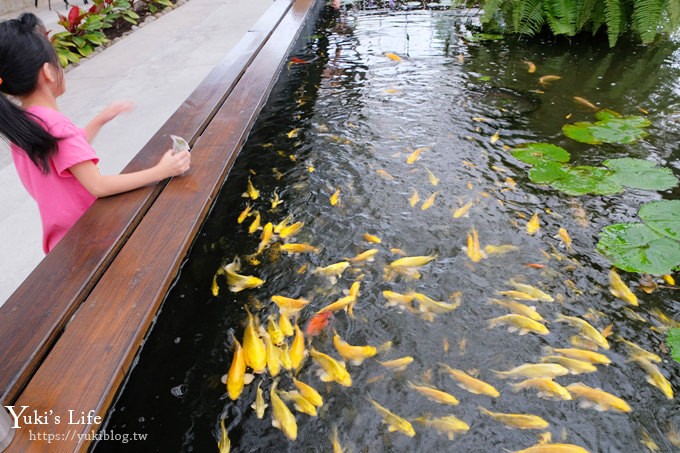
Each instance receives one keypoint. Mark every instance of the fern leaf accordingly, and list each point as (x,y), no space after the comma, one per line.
(646,18)
(584,12)
(528,16)
(491,7)
(561,16)
(613,13)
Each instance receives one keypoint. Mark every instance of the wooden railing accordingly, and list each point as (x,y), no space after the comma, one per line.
(71,331)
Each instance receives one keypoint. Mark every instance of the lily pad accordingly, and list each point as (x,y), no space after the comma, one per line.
(607,114)
(584,179)
(535,153)
(634,247)
(619,130)
(547,172)
(641,174)
(673,340)
(663,217)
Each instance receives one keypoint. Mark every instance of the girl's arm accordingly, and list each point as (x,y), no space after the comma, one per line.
(106,115)
(100,185)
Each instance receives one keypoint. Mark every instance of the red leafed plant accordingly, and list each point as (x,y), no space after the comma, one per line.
(72,20)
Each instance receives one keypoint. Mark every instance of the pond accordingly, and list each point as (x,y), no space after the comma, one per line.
(407,119)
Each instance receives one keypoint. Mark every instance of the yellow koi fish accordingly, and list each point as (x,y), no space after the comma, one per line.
(237,372)
(499,249)
(619,289)
(534,224)
(413,261)
(393,56)
(272,354)
(341,304)
(299,248)
(282,417)
(599,398)
(585,102)
(575,366)
(255,225)
(238,282)
(519,323)
(431,177)
(397,299)
(214,288)
(434,394)
(332,271)
(290,305)
(669,279)
(471,384)
(224,444)
(566,239)
(534,370)
(463,210)
(582,354)
(371,238)
(299,402)
(284,324)
(427,304)
(393,421)
(254,349)
(293,133)
(259,405)
(532,291)
(415,198)
(427,204)
(297,349)
(331,369)
(655,377)
(494,138)
(335,198)
(547,388)
(586,330)
(519,295)
(284,357)
(308,392)
(415,155)
(251,192)
(520,421)
(289,230)
(636,352)
(364,256)
(547,79)
(384,174)
(531,67)
(274,331)
(554,448)
(245,213)
(520,309)
(335,441)
(266,238)
(353,354)
(473,250)
(399,364)
(449,425)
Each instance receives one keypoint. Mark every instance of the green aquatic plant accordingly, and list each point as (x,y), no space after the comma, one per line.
(535,153)
(651,247)
(645,19)
(673,340)
(611,127)
(641,174)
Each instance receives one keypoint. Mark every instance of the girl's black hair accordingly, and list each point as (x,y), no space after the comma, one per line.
(24,49)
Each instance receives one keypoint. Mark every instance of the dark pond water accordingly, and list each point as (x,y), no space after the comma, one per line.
(359,116)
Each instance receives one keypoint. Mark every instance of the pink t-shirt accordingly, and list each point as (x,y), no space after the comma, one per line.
(61,198)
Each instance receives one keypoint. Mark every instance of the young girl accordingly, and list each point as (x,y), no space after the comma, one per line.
(53,157)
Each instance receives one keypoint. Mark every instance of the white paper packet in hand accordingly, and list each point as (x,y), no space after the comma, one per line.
(179,144)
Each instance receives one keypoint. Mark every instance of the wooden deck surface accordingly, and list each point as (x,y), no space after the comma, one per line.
(89,312)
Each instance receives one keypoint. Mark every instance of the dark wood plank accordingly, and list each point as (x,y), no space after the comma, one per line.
(89,361)
(33,317)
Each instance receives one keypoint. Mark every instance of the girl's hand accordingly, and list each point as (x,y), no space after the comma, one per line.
(115,109)
(173,164)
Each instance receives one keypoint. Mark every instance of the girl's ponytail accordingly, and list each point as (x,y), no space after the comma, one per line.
(24,49)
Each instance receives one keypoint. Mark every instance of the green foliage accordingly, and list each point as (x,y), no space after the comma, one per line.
(673,340)
(610,129)
(644,18)
(641,174)
(535,153)
(652,246)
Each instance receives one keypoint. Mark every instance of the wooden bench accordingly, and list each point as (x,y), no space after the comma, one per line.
(72,329)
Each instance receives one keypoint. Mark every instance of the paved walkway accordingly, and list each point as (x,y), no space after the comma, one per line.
(156,67)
